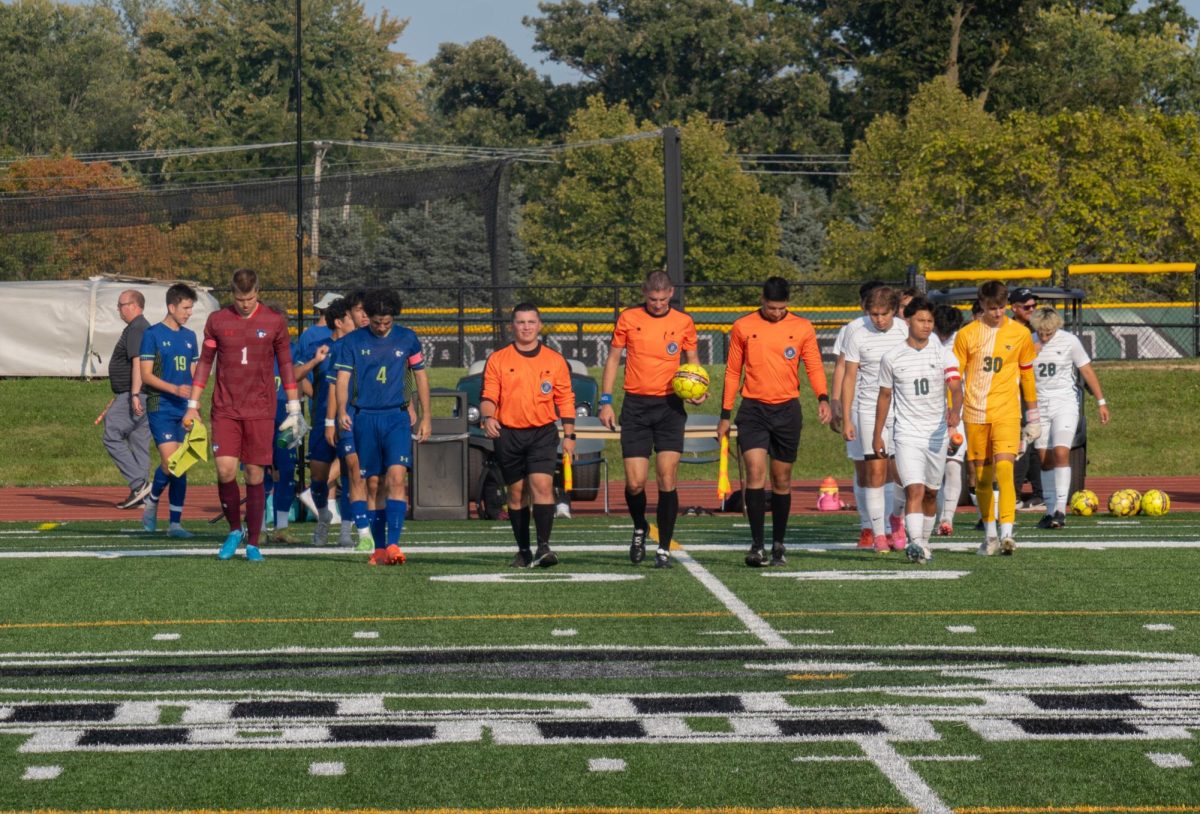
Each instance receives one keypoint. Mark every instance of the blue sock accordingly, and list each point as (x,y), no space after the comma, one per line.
(161,479)
(362,517)
(343,500)
(176,495)
(396,509)
(379,527)
(320,494)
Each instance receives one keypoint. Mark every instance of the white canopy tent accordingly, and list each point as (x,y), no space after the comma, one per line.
(69,327)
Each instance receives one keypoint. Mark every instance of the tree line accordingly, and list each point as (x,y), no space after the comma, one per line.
(822,139)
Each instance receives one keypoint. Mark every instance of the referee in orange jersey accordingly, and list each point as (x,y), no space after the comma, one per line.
(655,337)
(768,346)
(526,386)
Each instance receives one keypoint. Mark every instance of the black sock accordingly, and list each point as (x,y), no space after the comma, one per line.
(668,510)
(781,507)
(520,526)
(543,521)
(637,509)
(756,511)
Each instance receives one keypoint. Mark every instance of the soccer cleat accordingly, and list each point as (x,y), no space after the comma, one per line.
(178,532)
(866,539)
(281,537)
(253,554)
(899,538)
(230,546)
(662,558)
(883,545)
(778,554)
(1007,546)
(544,558)
(321,532)
(1058,521)
(346,538)
(945,530)
(524,559)
(978,525)
(755,556)
(637,546)
(136,496)
(378,557)
(365,541)
(562,511)
(1046,522)
(395,555)
(150,515)
(988,547)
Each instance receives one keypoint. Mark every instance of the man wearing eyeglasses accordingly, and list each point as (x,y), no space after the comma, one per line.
(126,429)
(1028,469)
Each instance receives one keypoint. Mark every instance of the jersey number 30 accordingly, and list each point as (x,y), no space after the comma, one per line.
(992,364)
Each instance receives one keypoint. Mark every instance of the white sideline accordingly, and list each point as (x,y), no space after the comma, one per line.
(753,622)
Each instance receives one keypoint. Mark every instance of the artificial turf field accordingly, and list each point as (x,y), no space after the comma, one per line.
(136,674)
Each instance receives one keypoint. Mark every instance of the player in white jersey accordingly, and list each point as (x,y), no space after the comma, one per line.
(946,321)
(1060,354)
(915,378)
(860,390)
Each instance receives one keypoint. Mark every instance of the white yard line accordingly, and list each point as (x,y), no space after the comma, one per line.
(897,769)
(753,622)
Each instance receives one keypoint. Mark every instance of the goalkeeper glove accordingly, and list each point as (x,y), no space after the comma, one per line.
(293,416)
(1033,426)
(293,428)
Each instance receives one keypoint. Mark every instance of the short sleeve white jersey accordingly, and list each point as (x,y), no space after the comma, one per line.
(866,347)
(918,381)
(1055,367)
(839,344)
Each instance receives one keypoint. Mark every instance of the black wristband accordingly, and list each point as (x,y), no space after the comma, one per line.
(823,397)
(570,436)
(726,415)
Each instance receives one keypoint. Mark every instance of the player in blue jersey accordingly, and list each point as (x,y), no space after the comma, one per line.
(280,478)
(167,357)
(377,359)
(316,365)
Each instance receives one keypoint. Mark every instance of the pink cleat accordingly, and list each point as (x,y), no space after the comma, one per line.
(866,539)
(883,544)
(899,538)
(945,530)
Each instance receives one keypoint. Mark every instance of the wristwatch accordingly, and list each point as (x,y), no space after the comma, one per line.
(570,436)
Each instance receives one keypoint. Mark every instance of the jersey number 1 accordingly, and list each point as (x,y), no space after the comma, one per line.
(245,361)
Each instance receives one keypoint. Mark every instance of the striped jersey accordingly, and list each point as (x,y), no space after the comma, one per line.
(918,379)
(996,365)
(1055,367)
(839,343)
(653,348)
(173,351)
(866,347)
(529,388)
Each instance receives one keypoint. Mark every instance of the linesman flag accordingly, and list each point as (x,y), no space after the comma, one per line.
(568,475)
(194,448)
(723,489)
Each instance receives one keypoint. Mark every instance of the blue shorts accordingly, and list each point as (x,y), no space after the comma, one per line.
(318,447)
(167,427)
(383,439)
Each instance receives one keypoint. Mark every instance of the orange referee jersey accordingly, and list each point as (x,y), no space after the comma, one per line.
(769,353)
(996,365)
(529,389)
(653,346)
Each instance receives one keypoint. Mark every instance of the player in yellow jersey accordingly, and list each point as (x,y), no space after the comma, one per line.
(995,355)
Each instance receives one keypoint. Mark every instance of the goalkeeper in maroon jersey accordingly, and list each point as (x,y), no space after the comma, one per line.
(245,340)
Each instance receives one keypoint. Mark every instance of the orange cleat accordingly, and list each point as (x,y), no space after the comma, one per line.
(395,555)
(866,539)
(379,557)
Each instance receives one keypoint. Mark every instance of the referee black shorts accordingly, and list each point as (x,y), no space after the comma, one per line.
(773,427)
(651,424)
(527,451)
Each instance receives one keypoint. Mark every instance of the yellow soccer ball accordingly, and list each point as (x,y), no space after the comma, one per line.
(1156,503)
(690,382)
(1123,503)
(1085,503)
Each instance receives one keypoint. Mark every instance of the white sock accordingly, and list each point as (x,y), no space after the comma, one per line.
(1062,486)
(1006,530)
(1049,489)
(914,524)
(927,528)
(995,504)
(990,529)
(875,503)
(889,500)
(860,500)
(951,490)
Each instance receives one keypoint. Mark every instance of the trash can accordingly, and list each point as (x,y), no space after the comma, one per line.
(439,476)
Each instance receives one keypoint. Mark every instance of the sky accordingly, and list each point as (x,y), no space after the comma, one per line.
(432,22)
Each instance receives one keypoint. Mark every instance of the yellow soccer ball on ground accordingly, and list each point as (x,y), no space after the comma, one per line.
(1085,503)
(1124,503)
(690,382)
(1156,503)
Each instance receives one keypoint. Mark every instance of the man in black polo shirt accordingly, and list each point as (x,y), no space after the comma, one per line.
(126,429)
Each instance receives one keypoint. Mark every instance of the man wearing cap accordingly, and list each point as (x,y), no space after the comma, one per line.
(1022,301)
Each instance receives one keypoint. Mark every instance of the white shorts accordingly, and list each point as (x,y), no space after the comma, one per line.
(864,429)
(1060,420)
(854,449)
(921,462)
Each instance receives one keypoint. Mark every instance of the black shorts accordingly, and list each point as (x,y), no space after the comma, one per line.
(651,424)
(527,451)
(773,427)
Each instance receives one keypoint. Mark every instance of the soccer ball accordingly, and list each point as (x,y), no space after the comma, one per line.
(1124,502)
(1085,503)
(1156,503)
(690,382)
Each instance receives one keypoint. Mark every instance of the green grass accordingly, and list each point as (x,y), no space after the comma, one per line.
(50,440)
(480,665)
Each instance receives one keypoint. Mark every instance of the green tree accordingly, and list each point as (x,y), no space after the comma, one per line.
(735,63)
(950,186)
(220,72)
(68,79)
(802,226)
(603,220)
